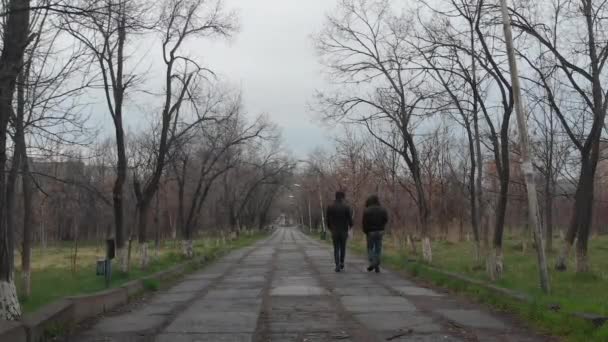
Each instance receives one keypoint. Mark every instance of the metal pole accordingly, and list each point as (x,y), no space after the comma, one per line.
(526,166)
(309,215)
(323,232)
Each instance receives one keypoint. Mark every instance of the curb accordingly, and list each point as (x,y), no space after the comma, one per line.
(60,317)
(596,320)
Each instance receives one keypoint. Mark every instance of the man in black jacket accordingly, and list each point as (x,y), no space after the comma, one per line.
(339,221)
(375,218)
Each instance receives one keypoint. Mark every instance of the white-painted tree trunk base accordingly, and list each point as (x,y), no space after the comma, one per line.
(121,259)
(562,260)
(188,248)
(495,264)
(477,252)
(145,257)
(411,244)
(10,310)
(427,251)
(582,262)
(27,283)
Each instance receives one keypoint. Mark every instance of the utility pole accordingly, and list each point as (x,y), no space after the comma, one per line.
(323,233)
(309,214)
(526,166)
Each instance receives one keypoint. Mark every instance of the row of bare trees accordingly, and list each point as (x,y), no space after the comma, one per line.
(428,87)
(182,157)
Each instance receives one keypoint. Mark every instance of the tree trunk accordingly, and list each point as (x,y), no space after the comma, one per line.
(118,193)
(495,264)
(9,302)
(156,227)
(584,219)
(28,224)
(549,191)
(477,185)
(27,186)
(475,217)
(118,198)
(527,166)
(188,248)
(142,226)
(427,251)
(583,209)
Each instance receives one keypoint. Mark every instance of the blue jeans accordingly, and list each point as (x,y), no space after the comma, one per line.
(374,247)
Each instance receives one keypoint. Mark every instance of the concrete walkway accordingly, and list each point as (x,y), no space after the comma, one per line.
(285,289)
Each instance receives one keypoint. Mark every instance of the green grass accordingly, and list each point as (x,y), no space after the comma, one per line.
(572,292)
(53,277)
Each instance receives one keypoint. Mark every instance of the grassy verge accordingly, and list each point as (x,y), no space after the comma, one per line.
(571,292)
(54,277)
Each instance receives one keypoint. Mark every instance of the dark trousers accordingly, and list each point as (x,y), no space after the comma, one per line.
(374,247)
(339,240)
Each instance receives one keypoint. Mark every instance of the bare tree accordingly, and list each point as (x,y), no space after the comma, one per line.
(490,60)
(105,31)
(179,22)
(16,36)
(203,161)
(583,70)
(364,44)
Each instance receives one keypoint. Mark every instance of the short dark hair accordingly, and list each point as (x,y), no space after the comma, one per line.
(340,195)
(372,200)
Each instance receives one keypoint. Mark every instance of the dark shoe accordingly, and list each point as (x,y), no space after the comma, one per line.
(377,269)
(337,269)
(341,266)
(370,268)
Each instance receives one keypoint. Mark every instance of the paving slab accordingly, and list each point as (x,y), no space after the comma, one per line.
(229,293)
(206,276)
(172,337)
(195,285)
(399,321)
(304,304)
(361,291)
(128,323)
(295,321)
(309,337)
(223,305)
(416,291)
(377,304)
(241,279)
(115,337)
(214,322)
(298,291)
(169,298)
(295,280)
(404,336)
(472,318)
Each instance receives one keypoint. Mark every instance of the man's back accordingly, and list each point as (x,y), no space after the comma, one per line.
(339,217)
(375,218)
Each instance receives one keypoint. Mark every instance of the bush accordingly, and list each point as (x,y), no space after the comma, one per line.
(151,284)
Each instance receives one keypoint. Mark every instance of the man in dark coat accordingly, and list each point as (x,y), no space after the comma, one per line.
(339,221)
(375,218)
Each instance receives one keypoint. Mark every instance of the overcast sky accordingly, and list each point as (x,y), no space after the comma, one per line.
(273,61)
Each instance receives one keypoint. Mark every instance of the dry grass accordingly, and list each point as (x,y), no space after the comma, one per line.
(54,275)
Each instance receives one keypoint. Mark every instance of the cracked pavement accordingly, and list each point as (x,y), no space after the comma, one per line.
(284,289)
